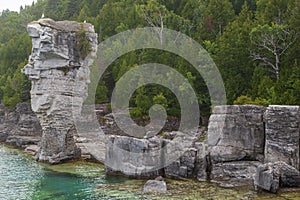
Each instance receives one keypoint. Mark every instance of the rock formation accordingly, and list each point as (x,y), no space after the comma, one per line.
(134,157)
(59,70)
(143,158)
(283,134)
(191,164)
(240,140)
(237,146)
(272,176)
(19,127)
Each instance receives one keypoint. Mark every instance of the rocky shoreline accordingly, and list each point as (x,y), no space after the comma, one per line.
(245,145)
(238,154)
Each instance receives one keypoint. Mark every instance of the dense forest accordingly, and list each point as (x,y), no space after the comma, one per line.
(254,43)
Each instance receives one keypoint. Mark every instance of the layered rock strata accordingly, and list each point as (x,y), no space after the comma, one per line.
(272,176)
(19,127)
(236,141)
(59,70)
(236,133)
(191,161)
(134,157)
(240,140)
(283,134)
(148,158)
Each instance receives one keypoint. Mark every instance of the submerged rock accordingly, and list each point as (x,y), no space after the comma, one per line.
(272,176)
(59,70)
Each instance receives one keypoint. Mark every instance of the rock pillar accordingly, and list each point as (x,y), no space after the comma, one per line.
(59,71)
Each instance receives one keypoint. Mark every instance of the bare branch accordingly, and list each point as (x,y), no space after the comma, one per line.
(258,57)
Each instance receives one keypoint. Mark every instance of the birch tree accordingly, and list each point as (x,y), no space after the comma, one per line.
(270,44)
(154,14)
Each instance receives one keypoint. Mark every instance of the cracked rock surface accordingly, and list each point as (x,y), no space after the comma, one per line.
(59,71)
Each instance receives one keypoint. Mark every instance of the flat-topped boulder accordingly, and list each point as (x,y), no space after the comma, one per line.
(155,186)
(61,26)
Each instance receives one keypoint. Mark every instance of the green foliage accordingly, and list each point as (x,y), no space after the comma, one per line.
(83,45)
(272,11)
(101,93)
(232,55)
(245,100)
(270,43)
(228,29)
(16,88)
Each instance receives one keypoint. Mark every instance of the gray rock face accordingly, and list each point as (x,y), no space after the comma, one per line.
(191,164)
(19,127)
(237,145)
(134,157)
(240,138)
(272,176)
(155,186)
(156,156)
(184,167)
(234,173)
(59,70)
(233,155)
(283,134)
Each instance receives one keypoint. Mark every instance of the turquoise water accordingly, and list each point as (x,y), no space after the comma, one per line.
(23,178)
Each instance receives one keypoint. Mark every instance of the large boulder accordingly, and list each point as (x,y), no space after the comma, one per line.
(59,71)
(191,164)
(272,176)
(235,143)
(184,167)
(155,186)
(133,157)
(236,133)
(283,134)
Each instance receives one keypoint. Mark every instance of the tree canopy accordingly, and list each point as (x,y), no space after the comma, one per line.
(254,43)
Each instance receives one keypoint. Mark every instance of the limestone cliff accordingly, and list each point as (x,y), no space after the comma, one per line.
(59,70)
(19,127)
